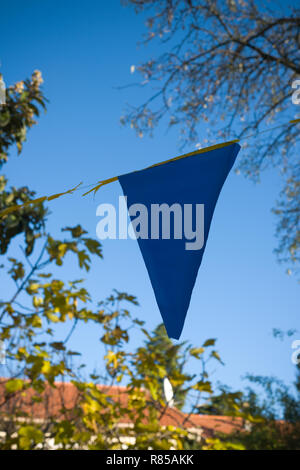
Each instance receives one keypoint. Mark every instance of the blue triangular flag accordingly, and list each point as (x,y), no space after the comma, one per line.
(193,184)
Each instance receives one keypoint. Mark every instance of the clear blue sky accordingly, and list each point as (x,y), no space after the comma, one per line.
(85,50)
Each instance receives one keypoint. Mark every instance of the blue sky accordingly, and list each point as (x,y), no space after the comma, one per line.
(85,50)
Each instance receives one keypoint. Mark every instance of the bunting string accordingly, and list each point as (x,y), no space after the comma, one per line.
(102,183)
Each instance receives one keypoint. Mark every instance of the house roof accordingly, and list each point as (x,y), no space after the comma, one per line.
(65,396)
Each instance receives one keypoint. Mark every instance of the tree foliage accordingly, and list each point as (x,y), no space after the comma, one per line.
(275,412)
(22,106)
(225,71)
(40,362)
(173,358)
(38,357)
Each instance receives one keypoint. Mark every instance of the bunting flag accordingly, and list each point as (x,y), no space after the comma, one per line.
(184,191)
(187,188)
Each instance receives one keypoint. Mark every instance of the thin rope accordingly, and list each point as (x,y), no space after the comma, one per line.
(101,183)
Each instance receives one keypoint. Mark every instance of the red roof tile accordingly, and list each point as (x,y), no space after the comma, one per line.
(65,396)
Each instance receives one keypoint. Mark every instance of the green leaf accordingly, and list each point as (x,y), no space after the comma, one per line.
(209,342)
(216,355)
(202,386)
(14,385)
(146,333)
(84,259)
(58,345)
(75,231)
(36,322)
(93,246)
(29,435)
(196,352)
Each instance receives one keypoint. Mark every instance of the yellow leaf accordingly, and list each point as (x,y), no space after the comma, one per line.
(14,385)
